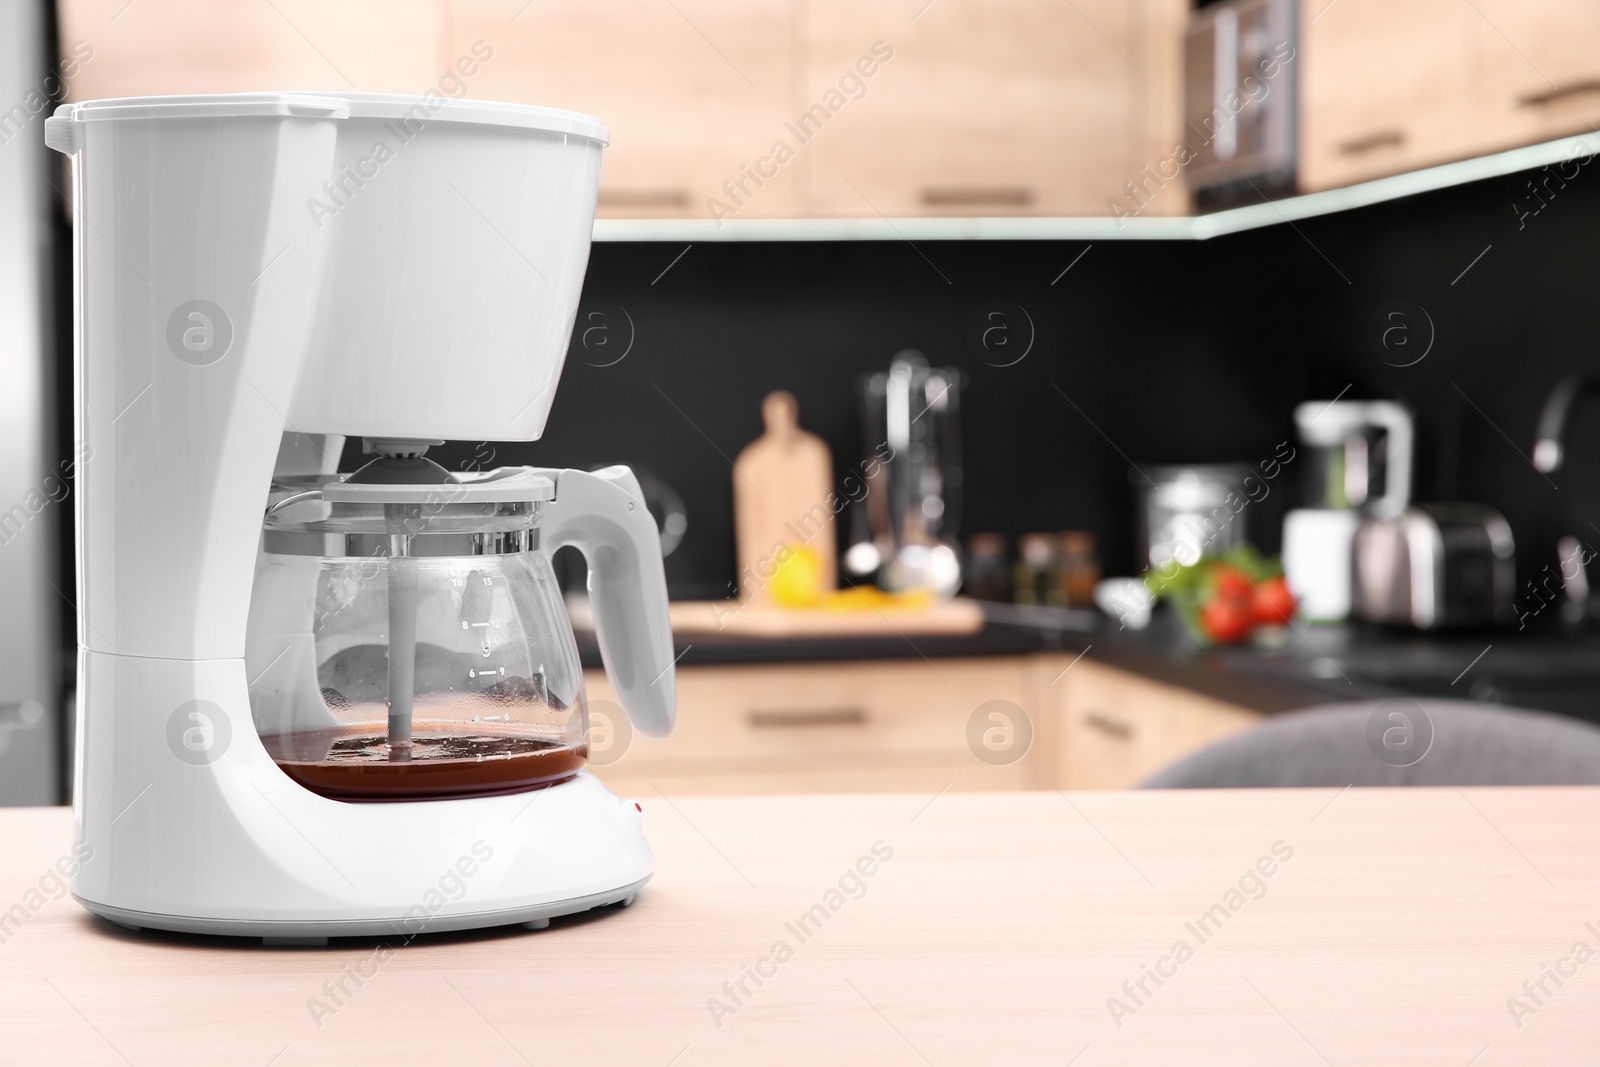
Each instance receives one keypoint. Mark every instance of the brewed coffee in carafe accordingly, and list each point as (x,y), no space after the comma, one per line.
(423,651)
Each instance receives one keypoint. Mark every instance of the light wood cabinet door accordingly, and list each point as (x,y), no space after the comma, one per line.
(988,107)
(1115,729)
(695,92)
(154,47)
(1538,71)
(1385,87)
(895,726)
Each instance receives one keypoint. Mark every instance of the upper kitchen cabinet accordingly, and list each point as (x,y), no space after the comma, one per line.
(724,109)
(695,93)
(1539,65)
(988,107)
(1385,87)
(153,47)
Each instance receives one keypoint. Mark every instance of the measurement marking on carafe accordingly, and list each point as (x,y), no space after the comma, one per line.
(671,665)
(303,836)
(132,402)
(131,803)
(1474,663)
(1069,666)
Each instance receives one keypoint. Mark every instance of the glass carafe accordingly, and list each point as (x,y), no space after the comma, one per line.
(410,642)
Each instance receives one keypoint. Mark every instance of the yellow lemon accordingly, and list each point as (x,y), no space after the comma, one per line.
(798,581)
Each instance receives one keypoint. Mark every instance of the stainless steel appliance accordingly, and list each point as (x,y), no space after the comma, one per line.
(35,477)
(1239,96)
(912,431)
(1436,565)
(1186,512)
(1357,463)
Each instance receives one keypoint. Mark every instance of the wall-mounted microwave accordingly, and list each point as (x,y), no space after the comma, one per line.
(1240,61)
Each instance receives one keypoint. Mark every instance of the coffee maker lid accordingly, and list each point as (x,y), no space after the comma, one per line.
(399,107)
(434,108)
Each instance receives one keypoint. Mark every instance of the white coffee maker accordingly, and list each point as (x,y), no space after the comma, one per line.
(312,703)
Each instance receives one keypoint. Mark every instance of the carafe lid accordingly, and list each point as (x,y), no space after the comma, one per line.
(473,514)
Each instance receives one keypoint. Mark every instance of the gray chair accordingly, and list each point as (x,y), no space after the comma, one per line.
(1396,742)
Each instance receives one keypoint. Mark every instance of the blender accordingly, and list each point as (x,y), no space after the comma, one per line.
(308,698)
(1359,464)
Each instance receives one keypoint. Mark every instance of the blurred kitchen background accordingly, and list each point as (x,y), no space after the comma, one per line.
(1077,263)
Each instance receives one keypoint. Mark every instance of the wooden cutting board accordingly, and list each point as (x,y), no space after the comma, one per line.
(763,619)
(783,496)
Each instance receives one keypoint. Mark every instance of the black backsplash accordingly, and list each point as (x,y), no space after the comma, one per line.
(1144,352)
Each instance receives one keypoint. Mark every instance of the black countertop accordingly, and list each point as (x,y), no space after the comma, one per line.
(1550,668)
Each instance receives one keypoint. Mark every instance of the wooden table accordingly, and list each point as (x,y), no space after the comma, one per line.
(1394,927)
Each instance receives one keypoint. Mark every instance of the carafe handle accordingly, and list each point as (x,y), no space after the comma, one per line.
(603,515)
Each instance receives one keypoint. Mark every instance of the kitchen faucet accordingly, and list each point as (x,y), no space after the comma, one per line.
(1549,451)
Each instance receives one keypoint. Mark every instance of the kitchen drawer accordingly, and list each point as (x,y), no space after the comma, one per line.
(1115,729)
(828,727)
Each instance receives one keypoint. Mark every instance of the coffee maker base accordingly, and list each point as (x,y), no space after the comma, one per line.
(314,933)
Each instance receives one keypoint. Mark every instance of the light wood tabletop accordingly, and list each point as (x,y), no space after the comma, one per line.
(1284,927)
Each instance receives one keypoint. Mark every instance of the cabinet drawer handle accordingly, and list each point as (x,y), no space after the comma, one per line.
(969,196)
(1367,142)
(765,720)
(1550,96)
(643,198)
(1106,725)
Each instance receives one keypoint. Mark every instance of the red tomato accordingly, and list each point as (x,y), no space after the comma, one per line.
(1273,604)
(1231,583)
(1227,620)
